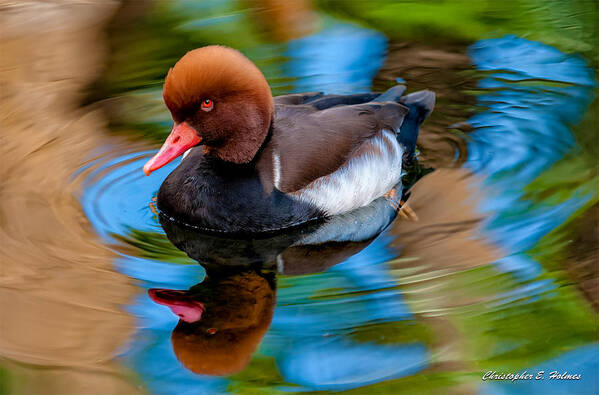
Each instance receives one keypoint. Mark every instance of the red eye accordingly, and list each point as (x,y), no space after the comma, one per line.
(207,105)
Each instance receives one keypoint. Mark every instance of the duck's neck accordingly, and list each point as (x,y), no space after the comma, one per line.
(242,147)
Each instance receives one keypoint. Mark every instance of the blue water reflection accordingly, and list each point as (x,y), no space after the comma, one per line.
(536,95)
(341,59)
(336,364)
(532,95)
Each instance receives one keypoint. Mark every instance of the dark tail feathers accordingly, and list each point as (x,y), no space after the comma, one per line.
(421,105)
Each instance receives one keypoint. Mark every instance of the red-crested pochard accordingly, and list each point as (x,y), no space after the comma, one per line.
(258,163)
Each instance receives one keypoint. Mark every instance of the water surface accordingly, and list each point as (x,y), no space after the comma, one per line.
(495,274)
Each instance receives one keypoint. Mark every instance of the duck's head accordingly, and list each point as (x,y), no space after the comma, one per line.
(220,99)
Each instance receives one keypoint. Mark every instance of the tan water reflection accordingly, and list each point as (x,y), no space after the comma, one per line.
(60,300)
(448,224)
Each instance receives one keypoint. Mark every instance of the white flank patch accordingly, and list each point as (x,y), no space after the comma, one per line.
(280,264)
(276,169)
(359,181)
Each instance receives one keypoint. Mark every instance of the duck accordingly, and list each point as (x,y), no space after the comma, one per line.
(255,163)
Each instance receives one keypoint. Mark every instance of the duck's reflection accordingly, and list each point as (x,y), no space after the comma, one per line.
(223,319)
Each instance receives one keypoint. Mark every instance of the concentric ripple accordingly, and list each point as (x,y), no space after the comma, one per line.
(117,195)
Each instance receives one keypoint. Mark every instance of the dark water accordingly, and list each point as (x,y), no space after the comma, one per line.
(497,272)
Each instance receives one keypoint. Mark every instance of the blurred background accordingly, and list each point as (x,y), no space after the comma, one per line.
(499,273)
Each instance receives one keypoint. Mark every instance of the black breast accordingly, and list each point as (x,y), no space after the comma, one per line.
(211,194)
